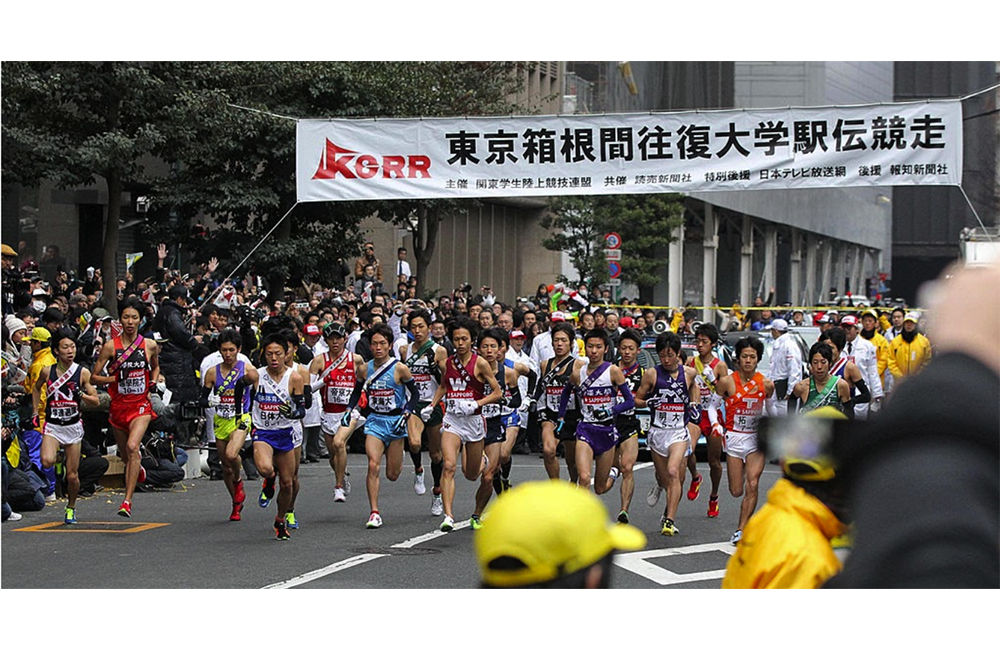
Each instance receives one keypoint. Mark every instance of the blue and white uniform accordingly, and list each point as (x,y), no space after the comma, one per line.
(669,424)
(270,426)
(386,399)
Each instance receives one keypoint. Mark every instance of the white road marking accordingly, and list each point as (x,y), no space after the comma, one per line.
(325,571)
(637,563)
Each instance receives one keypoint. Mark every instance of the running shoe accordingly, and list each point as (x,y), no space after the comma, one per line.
(695,488)
(737,536)
(281,531)
(266,492)
(142,474)
(475,523)
(448,524)
(338,495)
(70,517)
(241,494)
(713,508)
(654,495)
(125,510)
(237,509)
(669,529)
(347,488)
(418,483)
(623,517)
(614,474)
(374,521)
(290,521)
(437,505)
(505,482)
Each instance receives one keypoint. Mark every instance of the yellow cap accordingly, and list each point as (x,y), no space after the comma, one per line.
(542,530)
(41,334)
(7,251)
(820,467)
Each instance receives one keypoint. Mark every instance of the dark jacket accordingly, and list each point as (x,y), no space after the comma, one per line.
(177,352)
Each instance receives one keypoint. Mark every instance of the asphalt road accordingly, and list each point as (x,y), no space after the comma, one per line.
(182,539)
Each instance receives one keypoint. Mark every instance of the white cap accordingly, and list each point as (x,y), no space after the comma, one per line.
(779,324)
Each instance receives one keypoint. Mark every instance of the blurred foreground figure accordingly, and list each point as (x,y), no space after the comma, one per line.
(570,546)
(925,485)
(787,544)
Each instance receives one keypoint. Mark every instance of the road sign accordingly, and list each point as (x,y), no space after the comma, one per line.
(612,253)
(614,282)
(614,269)
(612,240)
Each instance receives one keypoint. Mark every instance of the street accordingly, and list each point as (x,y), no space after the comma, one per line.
(182,539)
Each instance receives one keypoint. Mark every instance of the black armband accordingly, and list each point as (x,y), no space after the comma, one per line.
(864,395)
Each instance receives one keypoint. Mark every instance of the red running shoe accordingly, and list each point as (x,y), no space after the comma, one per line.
(237,509)
(713,508)
(125,510)
(142,474)
(695,488)
(240,495)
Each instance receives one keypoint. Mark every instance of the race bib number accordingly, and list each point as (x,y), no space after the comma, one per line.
(134,383)
(381,400)
(64,412)
(338,394)
(592,402)
(669,416)
(552,395)
(745,422)
(425,387)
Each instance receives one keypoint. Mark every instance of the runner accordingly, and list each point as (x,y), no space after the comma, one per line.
(337,382)
(670,391)
(426,361)
(388,410)
(129,365)
(747,393)
(225,390)
(556,373)
(626,422)
(864,355)
(710,370)
(822,388)
(67,385)
(464,388)
(843,367)
(514,411)
(278,401)
(298,426)
(491,345)
(597,384)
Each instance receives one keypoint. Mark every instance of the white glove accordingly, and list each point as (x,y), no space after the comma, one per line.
(214,399)
(709,375)
(356,415)
(467,407)
(653,402)
(426,412)
(875,406)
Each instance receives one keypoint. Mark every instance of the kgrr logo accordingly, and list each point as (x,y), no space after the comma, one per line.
(339,162)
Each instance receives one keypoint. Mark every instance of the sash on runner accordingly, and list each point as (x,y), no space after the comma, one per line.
(593,376)
(428,344)
(460,369)
(229,381)
(278,391)
(831,385)
(113,368)
(381,372)
(63,378)
(333,366)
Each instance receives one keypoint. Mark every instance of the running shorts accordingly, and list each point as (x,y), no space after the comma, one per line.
(659,440)
(741,445)
(600,437)
(65,434)
(279,440)
(469,428)
(383,427)
(495,431)
(121,414)
(224,427)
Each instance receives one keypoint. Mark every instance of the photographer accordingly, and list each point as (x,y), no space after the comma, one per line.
(177,360)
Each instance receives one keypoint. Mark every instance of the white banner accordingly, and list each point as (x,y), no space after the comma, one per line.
(885,144)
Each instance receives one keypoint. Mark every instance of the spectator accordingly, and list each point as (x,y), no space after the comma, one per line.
(402,266)
(368,284)
(368,259)
(177,354)
(51,263)
(910,350)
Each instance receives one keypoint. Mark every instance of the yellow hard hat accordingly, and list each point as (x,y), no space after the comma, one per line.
(818,468)
(542,530)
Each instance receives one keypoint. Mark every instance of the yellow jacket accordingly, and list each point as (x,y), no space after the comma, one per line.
(909,358)
(882,355)
(40,361)
(786,545)
(677,321)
